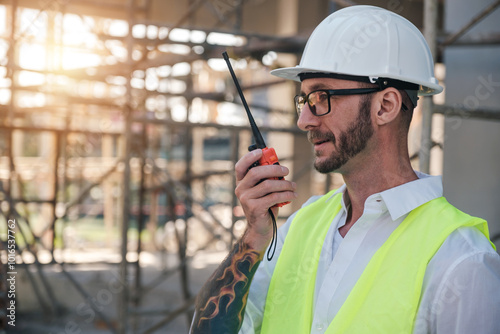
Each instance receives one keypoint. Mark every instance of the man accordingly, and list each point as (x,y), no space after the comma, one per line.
(385,253)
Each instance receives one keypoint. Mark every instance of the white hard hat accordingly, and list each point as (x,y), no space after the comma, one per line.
(371,43)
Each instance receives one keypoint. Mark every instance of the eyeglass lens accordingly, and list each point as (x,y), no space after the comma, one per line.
(318,101)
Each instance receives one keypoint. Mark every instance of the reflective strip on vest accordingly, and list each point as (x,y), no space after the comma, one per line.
(386,297)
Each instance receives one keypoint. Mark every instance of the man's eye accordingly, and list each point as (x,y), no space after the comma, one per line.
(321,97)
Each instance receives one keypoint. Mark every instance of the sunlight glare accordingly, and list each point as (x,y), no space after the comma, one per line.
(181,69)
(224,39)
(230,113)
(27,78)
(74,60)
(118,28)
(175,48)
(77,49)
(178,108)
(4,96)
(152,32)
(217,64)
(179,35)
(33,24)
(198,36)
(32,56)
(139,31)
(3,20)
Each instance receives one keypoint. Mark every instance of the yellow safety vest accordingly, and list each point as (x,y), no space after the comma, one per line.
(386,297)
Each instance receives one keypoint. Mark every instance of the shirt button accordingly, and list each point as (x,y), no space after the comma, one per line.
(319,326)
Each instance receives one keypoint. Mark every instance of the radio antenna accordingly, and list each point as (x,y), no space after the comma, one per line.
(259,141)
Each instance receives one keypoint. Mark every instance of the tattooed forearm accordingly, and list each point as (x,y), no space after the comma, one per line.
(221,303)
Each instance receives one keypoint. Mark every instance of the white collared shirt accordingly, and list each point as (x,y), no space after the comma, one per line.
(461,289)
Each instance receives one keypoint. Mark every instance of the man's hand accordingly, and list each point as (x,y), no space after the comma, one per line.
(221,303)
(257,192)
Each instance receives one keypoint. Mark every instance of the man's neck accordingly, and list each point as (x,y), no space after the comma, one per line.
(364,183)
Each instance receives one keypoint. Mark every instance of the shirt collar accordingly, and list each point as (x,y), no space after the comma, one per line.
(338,191)
(402,199)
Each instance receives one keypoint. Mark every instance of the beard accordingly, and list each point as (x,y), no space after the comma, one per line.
(350,142)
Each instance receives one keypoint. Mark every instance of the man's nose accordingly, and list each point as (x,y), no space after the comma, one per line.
(307,119)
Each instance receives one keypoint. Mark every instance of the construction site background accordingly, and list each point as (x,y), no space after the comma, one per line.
(120,127)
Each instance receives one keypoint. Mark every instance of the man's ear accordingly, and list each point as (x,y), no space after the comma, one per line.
(389,105)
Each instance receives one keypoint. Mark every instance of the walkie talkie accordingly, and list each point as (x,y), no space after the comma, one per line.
(269,156)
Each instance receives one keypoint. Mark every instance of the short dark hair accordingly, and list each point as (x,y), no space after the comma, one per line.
(406,115)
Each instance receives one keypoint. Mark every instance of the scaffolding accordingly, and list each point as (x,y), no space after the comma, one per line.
(129,133)
(108,141)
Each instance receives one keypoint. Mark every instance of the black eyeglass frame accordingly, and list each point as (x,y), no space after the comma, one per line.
(330,93)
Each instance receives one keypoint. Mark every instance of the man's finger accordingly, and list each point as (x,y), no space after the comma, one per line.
(245,162)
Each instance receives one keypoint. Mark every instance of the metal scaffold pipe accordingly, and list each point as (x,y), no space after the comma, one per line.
(430,27)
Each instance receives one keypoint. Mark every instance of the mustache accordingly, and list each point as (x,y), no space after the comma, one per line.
(315,135)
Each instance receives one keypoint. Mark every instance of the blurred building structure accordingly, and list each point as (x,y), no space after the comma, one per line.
(120,127)
(471,172)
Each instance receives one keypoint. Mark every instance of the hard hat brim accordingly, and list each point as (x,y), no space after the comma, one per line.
(293,73)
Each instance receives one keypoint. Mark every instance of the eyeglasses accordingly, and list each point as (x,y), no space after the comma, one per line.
(319,100)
